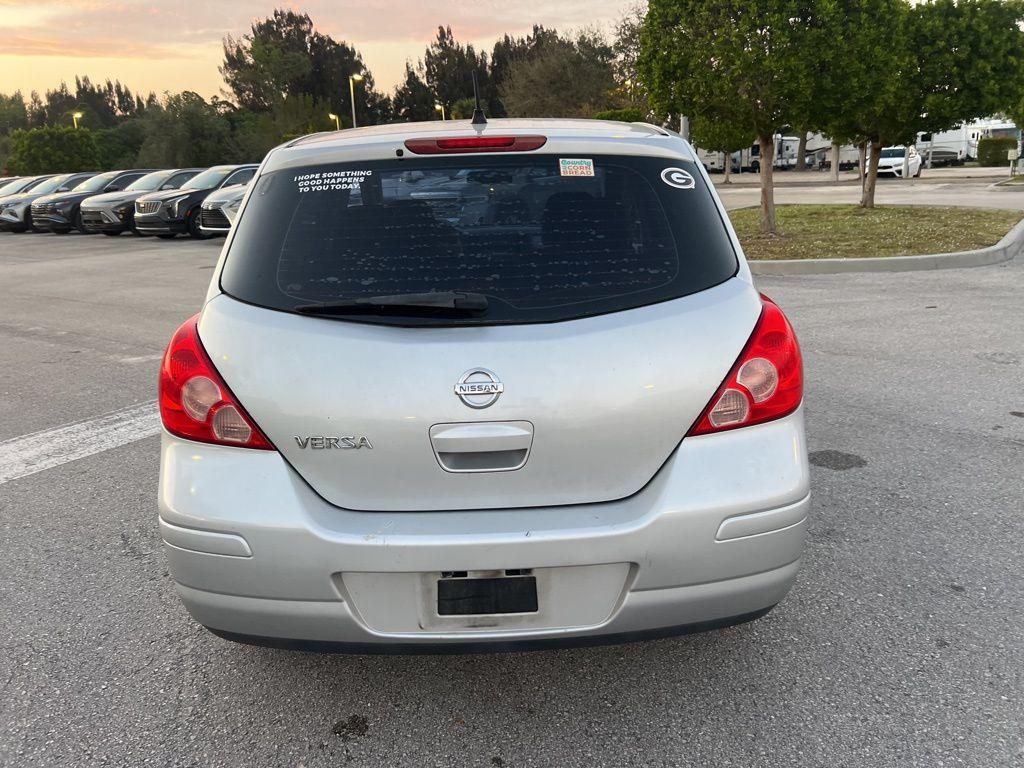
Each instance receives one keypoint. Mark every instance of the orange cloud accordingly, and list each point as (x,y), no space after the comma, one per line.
(40,45)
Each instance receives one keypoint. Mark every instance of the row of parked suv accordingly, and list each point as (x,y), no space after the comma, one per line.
(194,201)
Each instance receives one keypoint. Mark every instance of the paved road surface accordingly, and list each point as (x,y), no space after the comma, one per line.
(901,644)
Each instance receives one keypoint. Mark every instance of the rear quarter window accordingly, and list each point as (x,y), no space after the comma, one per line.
(542,239)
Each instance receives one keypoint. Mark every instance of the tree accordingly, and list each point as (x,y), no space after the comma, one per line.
(903,69)
(13,113)
(448,68)
(699,57)
(625,115)
(857,53)
(253,134)
(970,55)
(119,146)
(284,56)
(186,131)
(413,100)
(627,55)
(723,136)
(507,50)
(570,78)
(53,149)
(463,109)
(102,106)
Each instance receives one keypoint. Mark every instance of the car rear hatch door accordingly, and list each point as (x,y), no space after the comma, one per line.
(588,411)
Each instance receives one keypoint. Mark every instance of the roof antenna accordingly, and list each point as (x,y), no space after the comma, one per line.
(479,118)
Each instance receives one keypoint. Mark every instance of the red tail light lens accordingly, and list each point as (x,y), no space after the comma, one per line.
(195,403)
(464,144)
(767,381)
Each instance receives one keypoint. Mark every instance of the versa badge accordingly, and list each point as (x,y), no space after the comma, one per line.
(321,443)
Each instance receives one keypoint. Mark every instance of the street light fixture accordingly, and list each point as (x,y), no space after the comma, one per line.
(337,123)
(352,80)
(76,116)
(440,108)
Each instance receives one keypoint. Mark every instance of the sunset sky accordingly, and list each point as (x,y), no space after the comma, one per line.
(172,46)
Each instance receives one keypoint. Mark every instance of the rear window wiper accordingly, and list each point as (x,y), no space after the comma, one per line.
(445,301)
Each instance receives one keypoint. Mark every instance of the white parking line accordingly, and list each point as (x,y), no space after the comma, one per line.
(28,454)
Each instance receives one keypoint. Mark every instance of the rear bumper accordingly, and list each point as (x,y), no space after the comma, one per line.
(333,627)
(716,537)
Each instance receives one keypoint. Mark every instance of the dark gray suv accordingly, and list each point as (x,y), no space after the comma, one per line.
(176,212)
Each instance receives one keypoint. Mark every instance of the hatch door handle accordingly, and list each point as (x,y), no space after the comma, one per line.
(487,446)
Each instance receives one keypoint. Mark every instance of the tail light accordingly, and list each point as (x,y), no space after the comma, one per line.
(767,381)
(465,144)
(195,403)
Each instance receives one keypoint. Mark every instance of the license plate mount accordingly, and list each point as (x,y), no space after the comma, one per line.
(487,596)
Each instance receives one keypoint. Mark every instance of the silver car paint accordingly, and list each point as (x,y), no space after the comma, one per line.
(717,530)
(609,397)
(296,583)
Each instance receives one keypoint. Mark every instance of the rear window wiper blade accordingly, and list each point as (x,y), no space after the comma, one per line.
(445,301)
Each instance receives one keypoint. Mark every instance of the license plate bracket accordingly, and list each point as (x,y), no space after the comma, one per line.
(490,596)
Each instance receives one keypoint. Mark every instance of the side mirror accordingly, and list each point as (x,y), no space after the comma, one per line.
(113,188)
(168,185)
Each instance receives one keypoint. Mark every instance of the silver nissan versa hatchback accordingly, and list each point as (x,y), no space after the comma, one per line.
(459,386)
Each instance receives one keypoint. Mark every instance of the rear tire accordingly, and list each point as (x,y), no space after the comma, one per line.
(78,223)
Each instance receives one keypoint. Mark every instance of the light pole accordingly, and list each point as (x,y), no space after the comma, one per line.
(76,116)
(337,123)
(352,80)
(440,108)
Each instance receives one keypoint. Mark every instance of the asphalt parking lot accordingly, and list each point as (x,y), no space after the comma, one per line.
(900,645)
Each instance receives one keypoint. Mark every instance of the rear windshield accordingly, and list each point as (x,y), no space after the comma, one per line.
(543,238)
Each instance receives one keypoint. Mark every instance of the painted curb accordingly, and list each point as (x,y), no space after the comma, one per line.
(1005,250)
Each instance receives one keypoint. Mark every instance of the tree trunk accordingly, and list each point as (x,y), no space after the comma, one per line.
(767,161)
(867,198)
(801,151)
(727,168)
(862,148)
(834,161)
